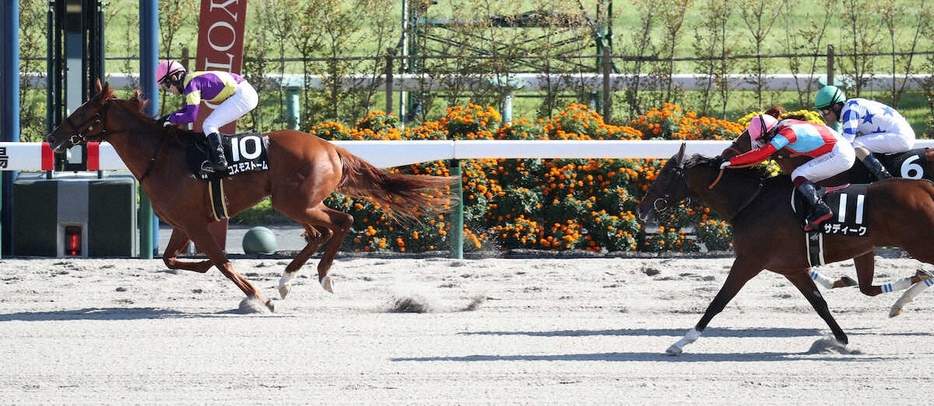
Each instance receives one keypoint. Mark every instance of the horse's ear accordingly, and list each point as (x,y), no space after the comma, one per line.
(680,156)
(97,86)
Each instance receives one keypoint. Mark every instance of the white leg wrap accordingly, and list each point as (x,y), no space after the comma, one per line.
(821,279)
(691,336)
(900,284)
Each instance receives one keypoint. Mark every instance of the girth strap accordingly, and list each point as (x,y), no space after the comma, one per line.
(218,199)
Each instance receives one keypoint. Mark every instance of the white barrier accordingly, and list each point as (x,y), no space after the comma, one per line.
(34,156)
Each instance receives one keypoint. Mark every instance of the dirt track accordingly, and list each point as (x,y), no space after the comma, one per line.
(499,331)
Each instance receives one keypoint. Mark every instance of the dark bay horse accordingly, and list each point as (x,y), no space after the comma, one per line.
(864,264)
(303,171)
(768,236)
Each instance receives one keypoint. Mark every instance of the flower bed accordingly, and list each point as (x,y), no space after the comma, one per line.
(543,204)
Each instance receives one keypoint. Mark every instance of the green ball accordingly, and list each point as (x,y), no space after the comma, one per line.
(259,240)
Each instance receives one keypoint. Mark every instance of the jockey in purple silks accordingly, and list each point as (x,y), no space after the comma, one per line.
(871,127)
(830,152)
(229,94)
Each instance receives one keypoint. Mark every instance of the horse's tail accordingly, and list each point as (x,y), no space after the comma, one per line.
(407,197)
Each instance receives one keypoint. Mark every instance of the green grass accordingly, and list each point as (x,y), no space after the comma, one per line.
(122,28)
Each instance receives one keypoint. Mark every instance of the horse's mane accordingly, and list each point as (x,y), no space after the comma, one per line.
(780,114)
(107,96)
(698,159)
(141,102)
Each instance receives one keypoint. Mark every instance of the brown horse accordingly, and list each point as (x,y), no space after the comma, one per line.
(767,235)
(303,171)
(864,264)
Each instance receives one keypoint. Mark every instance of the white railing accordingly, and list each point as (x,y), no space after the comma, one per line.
(33,156)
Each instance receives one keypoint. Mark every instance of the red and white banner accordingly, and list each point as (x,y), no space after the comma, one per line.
(221,28)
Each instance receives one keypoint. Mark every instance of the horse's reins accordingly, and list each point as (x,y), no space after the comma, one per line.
(736,151)
(720,175)
(751,198)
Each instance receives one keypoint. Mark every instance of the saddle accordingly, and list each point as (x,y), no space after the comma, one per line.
(910,164)
(245,152)
(848,204)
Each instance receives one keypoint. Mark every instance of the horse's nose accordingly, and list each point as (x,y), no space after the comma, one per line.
(644,215)
(50,138)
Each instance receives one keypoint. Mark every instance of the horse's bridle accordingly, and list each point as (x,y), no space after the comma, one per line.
(79,136)
(80,132)
(661,203)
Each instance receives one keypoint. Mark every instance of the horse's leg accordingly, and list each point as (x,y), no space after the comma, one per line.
(865,271)
(899,306)
(339,224)
(316,238)
(332,226)
(806,286)
(740,273)
(203,238)
(176,243)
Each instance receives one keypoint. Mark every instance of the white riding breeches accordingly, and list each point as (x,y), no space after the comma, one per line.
(839,159)
(237,105)
(886,143)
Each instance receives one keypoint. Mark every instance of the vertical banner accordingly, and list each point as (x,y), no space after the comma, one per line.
(220,43)
(220,47)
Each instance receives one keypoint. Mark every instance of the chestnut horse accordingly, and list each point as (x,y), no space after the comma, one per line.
(864,264)
(303,171)
(768,236)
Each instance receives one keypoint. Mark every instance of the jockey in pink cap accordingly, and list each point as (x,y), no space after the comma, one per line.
(832,155)
(229,94)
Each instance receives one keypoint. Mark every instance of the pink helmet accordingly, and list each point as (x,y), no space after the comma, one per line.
(167,68)
(759,125)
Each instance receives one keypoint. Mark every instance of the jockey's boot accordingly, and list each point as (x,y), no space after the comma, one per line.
(876,167)
(820,212)
(216,153)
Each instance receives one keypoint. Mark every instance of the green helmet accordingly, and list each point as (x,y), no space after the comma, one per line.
(828,95)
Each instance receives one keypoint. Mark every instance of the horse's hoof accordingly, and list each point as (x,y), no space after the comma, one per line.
(285,289)
(895,311)
(848,281)
(271,306)
(673,350)
(327,283)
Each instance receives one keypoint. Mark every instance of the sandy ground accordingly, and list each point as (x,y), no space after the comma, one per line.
(581,331)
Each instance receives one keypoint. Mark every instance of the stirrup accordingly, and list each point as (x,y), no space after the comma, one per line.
(206,167)
(815,223)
